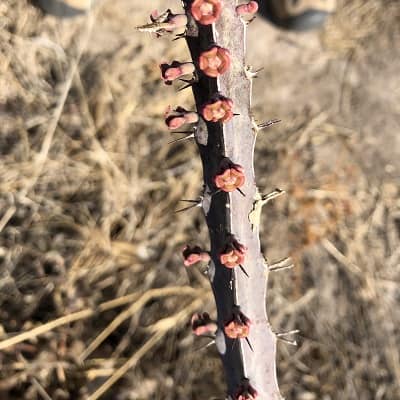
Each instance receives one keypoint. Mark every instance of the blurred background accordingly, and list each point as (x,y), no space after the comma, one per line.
(90,263)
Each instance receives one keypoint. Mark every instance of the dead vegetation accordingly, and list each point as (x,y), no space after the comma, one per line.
(94,299)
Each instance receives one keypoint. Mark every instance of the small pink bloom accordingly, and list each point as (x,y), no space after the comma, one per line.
(192,259)
(174,119)
(249,8)
(246,391)
(232,258)
(215,61)
(206,12)
(202,324)
(177,21)
(218,110)
(238,327)
(193,255)
(175,70)
(230,179)
(233,254)
(175,122)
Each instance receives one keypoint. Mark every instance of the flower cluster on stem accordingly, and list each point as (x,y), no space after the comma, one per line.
(246,391)
(175,70)
(202,324)
(178,117)
(239,326)
(206,12)
(193,255)
(215,61)
(230,177)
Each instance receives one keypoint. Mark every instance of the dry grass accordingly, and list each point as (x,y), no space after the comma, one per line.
(93,296)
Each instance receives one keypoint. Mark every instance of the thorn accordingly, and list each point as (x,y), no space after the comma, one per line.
(287,341)
(267,124)
(251,74)
(186,208)
(205,346)
(235,114)
(191,201)
(286,263)
(182,138)
(265,198)
(152,28)
(209,343)
(244,271)
(250,20)
(291,342)
(191,131)
(162,17)
(195,203)
(239,190)
(185,87)
(292,332)
(255,76)
(179,36)
(248,342)
(189,82)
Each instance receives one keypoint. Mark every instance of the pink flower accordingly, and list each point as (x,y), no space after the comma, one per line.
(215,61)
(249,8)
(206,12)
(233,254)
(202,324)
(174,119)
(232,258)
(192,259)
(246,391)
(230,179)
(238,327)
(175,70)
(218,110)
(175,122)
(193,255)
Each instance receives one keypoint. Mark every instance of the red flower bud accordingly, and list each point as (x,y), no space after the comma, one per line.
(238,327)
(218,109)
(193,255)
(215,61)
(230,179)
(176,21)
(175,70)
(232,259)
(233,255)
(246,391)
(202,324)
(206,12)
(178,117)
(247,9)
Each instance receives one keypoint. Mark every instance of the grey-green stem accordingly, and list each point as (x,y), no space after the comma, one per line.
(229,213)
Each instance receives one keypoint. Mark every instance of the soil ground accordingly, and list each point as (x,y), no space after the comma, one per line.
(88,186)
